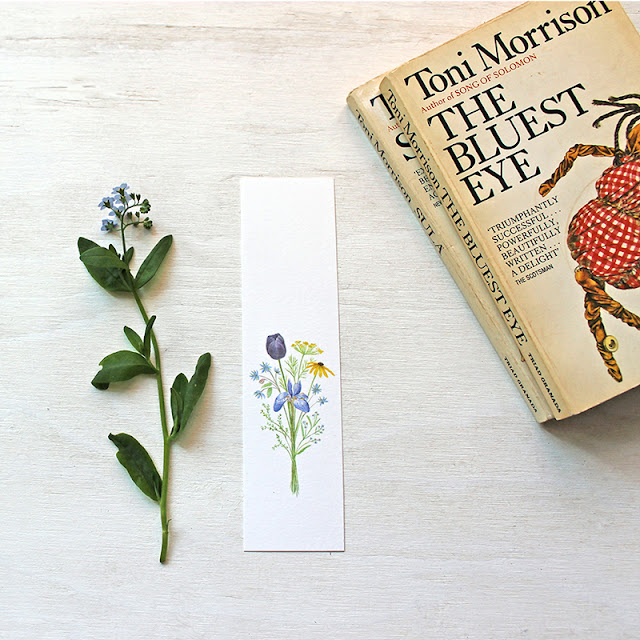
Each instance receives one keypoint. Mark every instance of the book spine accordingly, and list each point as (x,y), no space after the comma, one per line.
(377,122)
(470,239)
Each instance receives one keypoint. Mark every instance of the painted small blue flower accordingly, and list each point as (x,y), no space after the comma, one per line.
(259,393)
(124,186)
(106,203)
(265,367)
(323,400)
(316,389)
(254,375)
(294,396)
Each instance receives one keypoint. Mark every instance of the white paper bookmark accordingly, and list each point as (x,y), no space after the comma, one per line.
(293,489)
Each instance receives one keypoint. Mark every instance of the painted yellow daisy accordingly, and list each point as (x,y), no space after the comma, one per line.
(319,369)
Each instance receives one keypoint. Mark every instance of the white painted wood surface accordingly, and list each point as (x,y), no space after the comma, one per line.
(464,519)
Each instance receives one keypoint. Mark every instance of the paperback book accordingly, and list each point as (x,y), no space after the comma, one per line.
(528,128)
(394,150)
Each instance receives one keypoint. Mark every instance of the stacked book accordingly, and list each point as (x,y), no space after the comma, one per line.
(517,147)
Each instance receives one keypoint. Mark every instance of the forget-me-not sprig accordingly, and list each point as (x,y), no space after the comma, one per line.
(294,395)
(112,270)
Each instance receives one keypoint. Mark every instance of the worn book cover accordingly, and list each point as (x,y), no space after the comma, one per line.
(529,128)
(394,150)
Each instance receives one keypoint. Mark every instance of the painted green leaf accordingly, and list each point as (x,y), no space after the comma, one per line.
(147,337)
(119,366)
(135,459)
(193,390)
(134,339)
(108,278)
(153,261)
(269,392)
(128,255)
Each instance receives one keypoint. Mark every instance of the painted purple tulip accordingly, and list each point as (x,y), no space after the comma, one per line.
(276,347)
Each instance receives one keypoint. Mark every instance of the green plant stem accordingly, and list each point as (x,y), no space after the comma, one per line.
(165,433)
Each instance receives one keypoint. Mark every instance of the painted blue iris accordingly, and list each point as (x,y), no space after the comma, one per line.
(294,396)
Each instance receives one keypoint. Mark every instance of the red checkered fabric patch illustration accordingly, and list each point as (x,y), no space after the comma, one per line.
(604,237)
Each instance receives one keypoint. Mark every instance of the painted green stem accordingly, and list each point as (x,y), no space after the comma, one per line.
(295,485)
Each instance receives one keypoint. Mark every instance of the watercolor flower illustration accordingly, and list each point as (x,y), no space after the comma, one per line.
(292,418)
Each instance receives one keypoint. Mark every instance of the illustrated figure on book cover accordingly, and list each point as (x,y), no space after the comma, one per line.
(604,235)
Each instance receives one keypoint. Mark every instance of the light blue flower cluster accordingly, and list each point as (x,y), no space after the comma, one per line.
(125,209)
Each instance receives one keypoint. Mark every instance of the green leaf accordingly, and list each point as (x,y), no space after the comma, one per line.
(153,261)
(180,384)
(119,366)
(85,243)
(135,459)
(135,340)
(192,392)
(128,255)
(147,337)
(177,405)
(108,278)
(269,392)
(101,257)
(178,389)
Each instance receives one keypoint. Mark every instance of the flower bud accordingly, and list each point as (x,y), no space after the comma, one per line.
(276,347)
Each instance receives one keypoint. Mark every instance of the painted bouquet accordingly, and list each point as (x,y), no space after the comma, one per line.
(292,419)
